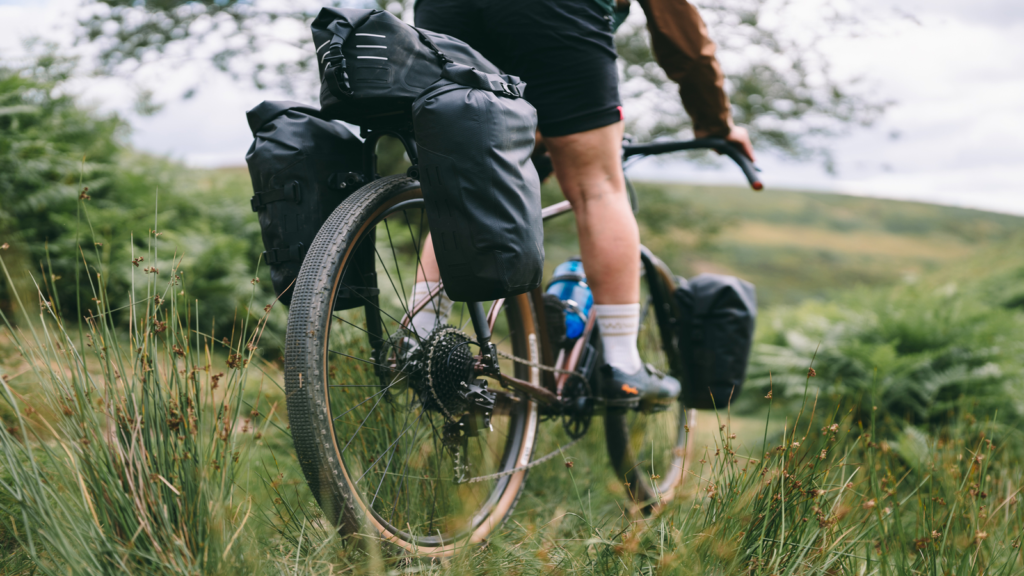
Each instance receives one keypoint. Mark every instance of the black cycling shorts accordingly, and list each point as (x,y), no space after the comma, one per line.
(562,49)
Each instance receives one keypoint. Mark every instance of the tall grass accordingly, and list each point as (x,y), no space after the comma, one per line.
(142,451)
(120,451)
(826,496)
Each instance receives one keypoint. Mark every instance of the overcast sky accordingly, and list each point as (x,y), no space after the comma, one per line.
(955,135)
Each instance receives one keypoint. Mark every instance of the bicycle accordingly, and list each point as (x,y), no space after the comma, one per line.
(429,448)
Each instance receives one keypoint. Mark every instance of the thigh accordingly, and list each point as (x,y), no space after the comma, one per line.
(563,49)
(588,164)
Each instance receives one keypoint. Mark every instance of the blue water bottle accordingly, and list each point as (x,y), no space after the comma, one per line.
(570,285)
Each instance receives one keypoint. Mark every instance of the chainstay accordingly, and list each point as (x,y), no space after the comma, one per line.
(540,366)
(524,361)
(517,469)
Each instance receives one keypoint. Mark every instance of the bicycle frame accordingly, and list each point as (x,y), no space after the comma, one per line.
(661,281)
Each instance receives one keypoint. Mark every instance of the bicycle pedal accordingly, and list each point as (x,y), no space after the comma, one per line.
(629,403)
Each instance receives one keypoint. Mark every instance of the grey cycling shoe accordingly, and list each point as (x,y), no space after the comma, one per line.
(648,389)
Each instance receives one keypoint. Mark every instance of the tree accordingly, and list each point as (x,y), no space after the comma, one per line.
(77,203)
(779,78)
(47,145)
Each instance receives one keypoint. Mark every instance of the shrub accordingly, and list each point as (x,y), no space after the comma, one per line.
(71,191)
(917,353)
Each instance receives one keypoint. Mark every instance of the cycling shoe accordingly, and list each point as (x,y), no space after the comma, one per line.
(648,389)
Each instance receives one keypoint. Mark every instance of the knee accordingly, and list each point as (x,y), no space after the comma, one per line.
(599,189)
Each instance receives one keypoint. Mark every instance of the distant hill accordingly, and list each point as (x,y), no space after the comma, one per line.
(798,245)
(792,245)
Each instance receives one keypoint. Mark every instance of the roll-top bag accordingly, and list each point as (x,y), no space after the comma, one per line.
(475,135)
(715,329)
(372,65)
(302,167)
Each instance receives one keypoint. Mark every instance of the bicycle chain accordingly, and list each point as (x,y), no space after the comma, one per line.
(540,366)
(531,364)
(516,359)
(536,462)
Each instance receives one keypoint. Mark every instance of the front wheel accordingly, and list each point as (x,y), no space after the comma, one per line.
(651,453)
(385,451)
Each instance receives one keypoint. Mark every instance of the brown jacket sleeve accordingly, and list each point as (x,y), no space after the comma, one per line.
(686,53)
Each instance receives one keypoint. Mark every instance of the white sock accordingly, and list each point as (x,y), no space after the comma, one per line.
(434,313)
(619,325)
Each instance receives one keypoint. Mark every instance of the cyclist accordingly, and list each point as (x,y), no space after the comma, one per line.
(564,51)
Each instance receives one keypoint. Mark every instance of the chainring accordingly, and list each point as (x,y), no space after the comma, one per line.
(579,407)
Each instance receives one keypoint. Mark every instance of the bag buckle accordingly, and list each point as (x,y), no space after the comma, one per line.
(510,90)
(333,55)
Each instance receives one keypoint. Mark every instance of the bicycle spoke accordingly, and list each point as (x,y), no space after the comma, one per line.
(367,399)
(374,463)
(397,269)
(342,320)
(397,448)
(371,363)
(397,293)
(416,247)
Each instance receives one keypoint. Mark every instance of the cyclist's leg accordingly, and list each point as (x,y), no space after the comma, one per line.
(565,52)
(589,172)
(428,274)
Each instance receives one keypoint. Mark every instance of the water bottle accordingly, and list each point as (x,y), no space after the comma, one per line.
(569,284)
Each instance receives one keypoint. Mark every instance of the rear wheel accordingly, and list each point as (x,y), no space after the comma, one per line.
(385,450)
(651,451)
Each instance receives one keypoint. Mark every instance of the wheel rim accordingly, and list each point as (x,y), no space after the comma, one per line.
(391,449)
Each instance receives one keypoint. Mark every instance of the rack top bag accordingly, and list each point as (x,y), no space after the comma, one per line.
(372,65)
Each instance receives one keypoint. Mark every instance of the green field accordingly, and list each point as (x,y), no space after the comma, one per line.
(798,245)
(913,316)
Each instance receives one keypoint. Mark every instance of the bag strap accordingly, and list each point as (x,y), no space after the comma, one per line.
(282,255)
(290,191)
(442,58)
(505,85)
(501,84)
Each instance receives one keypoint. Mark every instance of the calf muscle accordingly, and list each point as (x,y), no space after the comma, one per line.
(589,171)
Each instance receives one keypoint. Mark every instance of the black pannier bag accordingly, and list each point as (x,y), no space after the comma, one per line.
(302,167)
(475,135)
(715,330)
(372,65)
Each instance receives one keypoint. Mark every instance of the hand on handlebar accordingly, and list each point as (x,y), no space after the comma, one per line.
(737,135)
